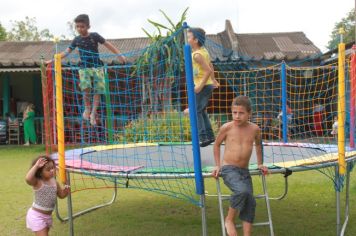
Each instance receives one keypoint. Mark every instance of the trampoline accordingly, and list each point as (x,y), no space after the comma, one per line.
(112,159)
(144,103)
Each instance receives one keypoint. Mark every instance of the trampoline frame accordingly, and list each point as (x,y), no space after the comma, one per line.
(340,229)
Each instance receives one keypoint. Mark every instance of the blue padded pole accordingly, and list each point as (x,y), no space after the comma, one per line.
(284,102)
(199,181)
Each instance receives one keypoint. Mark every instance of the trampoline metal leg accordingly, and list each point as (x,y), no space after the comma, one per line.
(203,215)
(337,213)
(70,208)
(337,202)
(221,210)
(73,216)
(347,202)
(285,191)
(267,205)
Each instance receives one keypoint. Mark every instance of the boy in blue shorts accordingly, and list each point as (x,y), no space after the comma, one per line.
(91,67)
(239,136)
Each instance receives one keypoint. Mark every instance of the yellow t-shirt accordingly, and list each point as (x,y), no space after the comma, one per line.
(198,71)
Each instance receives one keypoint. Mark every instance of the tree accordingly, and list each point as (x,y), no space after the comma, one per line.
(167,58)
(348,23)
(3,33)
(27,30)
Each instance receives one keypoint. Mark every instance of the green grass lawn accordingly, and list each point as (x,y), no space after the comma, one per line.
(309,208)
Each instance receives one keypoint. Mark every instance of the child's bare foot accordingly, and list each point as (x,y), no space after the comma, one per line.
(86,114)
(93,119)
(230,228)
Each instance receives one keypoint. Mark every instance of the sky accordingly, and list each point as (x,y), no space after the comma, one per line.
(125,19)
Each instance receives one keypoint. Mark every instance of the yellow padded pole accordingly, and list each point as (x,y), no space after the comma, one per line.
(341,110)
(59,117)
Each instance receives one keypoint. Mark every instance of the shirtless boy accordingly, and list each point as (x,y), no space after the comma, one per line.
(239,136)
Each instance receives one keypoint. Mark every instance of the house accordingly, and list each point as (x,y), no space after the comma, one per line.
(20,79)
(331,56)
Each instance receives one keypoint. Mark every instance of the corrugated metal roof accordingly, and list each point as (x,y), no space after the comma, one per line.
(285,44)
(20,69)
(276,46)
(268,46)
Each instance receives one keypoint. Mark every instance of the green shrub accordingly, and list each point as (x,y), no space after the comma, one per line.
(162,127)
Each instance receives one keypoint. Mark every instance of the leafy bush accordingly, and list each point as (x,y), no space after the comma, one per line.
(161,127)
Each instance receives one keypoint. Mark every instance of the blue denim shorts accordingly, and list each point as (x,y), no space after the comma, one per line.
(239,181)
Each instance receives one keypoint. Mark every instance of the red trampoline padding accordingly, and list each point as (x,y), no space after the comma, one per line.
(81,164)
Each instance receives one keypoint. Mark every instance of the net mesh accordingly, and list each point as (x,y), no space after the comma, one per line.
(138,135)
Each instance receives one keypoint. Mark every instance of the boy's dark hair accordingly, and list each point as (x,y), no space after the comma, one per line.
(39,170)
(198,33)
(242,101)
(82,18)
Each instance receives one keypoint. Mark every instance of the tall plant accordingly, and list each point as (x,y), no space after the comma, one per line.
(160,62)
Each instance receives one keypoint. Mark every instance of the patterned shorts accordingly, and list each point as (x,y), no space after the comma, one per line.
(97,74)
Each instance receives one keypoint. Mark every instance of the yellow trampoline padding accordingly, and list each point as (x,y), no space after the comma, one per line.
(120,146)
(329,157)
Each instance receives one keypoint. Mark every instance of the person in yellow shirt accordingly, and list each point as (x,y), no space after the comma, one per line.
(204,83)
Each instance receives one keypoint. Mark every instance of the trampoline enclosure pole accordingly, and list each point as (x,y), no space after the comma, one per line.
(108,106)
(353,97)
(46,109)
(199,181)
(284,102)
(59,117)
(341,107)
